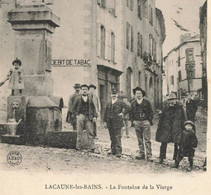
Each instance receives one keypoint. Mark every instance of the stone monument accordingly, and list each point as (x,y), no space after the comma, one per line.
(38,111)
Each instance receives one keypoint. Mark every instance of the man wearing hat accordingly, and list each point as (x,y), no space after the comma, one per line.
(69,118)
(141,116)
(96,102)
(191,107)
(85,112)
(113,120)
(170,125)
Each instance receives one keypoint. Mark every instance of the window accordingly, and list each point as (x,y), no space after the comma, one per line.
(150,44)
(146,79)
(179,76)
(132,39)
(102,45)
(127,2)
(179,64)
(189,55)
(139,45)
(112,47)
(131,4)
(139,79)
(150,15)
(139,7)
(111,6)
(154,50)
(172,80)
(127,35)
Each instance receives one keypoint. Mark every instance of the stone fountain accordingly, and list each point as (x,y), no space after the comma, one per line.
(36,114)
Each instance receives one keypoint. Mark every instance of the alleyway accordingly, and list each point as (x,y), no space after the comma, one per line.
(70,161)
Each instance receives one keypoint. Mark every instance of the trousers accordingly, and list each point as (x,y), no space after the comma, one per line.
(115,137)
(143,135)
(83,123)
(163,148)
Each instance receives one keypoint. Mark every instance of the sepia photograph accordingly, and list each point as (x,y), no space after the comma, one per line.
(104,96)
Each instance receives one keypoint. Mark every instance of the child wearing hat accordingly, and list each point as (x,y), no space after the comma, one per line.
(188,141)
(15,77)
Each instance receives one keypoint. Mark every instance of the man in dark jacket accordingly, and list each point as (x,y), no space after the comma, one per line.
(191,108)
(113,120)
(170,126)
(85,112)
(70,119)
(141,116)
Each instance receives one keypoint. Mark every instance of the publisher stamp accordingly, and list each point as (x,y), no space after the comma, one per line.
(14,158)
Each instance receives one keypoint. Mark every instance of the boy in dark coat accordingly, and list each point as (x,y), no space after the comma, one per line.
(187,143)
(113,120)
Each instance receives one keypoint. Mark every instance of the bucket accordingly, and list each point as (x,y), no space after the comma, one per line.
(12,126)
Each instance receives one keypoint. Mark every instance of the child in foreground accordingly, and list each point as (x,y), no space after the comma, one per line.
(188,141)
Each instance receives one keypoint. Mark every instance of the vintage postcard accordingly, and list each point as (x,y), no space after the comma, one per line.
(104,97)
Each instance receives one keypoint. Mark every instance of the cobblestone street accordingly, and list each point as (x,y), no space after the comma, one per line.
(68,161)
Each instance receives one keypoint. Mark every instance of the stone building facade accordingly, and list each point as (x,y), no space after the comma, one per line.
(203,43)
(110,43)
(183,67)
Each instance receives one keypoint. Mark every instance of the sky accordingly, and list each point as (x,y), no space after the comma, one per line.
(185,12)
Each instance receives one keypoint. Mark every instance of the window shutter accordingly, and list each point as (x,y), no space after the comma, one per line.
(98,39)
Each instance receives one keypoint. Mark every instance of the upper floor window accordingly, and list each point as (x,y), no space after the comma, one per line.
(130,4)
(139,45)
(102,3)
(112,47)
(139,8)
(132,38)
(172,80)
(179,76)
(189,55)
(150,15)
(178,61)
(102,42)
(150,45)
(129,37)
(110,5)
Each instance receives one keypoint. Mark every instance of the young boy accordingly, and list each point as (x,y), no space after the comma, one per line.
(15,77)
(188,141)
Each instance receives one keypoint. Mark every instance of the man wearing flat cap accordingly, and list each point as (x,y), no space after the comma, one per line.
(170,126)
(96,102)
(85,112)
(141,116)
(113,120)
(70,119)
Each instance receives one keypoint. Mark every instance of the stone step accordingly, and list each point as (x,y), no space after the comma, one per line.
(62,139)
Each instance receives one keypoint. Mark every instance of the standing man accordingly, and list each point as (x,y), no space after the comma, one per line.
(85,112)
(170,126)
(96,102)
(141,117)
(113,120)
(70,118)
(191,108)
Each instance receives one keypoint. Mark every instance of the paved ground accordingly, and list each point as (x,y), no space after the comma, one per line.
(69,161)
